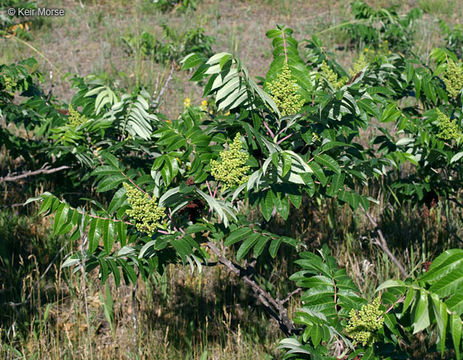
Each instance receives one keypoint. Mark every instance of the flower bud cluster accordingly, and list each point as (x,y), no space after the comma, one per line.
(9,83)
(453,78)
(359,65)
(363,324)
(284,92)
(203,105)
(75,118)
(332,77)
(145,212)
(231,170)
(449,129)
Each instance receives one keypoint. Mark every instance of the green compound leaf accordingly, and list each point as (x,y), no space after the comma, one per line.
(250,241)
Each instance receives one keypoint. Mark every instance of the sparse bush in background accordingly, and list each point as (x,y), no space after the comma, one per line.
(454,37)
(169,5)
(174,47)
(372,27)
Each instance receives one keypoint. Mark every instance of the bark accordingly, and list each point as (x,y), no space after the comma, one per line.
(274,306)
(43,170)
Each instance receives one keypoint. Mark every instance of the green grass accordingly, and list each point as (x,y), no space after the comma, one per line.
(438,7)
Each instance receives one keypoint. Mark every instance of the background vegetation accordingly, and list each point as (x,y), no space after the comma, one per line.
(48,311)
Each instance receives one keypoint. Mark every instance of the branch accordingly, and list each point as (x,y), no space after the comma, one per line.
(291,294)
(273,306)
(43,170)
(399,300)
(456,201)
(50,91)
(155,103)
(104,218)
(382,243)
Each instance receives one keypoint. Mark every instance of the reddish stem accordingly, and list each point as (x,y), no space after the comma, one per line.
(209,188)
(286,137)
(399,300)
(268,129)
(131,181)
(103,218)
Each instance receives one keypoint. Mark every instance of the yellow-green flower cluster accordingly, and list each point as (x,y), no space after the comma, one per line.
(381,51)
(358,65)
(203,105)
(231,170)
(9,83)
(363,324)
(383,48)
(284,92)
(449,129)
(453,78)
(332,77)
(187,102)
(146,213)
(75,118)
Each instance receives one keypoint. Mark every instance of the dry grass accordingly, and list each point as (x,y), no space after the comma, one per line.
(88,39)
(186,315)
(177,316)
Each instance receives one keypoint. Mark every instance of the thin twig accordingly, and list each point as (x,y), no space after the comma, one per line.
(156,89)
(84,237)
(12,205)
(155,103)
(135,317)
(104,218)
(291,294)
(43,170)
(382,243)
(134,184)
(50,91)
